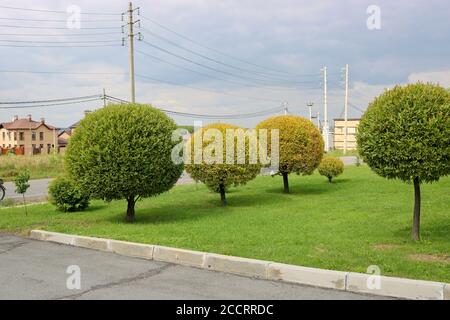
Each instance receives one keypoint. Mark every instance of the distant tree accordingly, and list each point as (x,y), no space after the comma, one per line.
(300,146)
(123,152)
(405,134)
(22,185)
(218,177)
(331,167)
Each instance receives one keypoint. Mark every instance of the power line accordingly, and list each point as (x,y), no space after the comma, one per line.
(203,65)
(49,105)
(54,20)
(215,60)
(55,28)
(62,42)
(222,53)
(205,74)
(208,90)
(53,100)
(57,11)
(195,115)
(52,46)
(63,72)
(61,35)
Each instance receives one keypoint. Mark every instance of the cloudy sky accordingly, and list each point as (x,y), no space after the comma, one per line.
(245,55)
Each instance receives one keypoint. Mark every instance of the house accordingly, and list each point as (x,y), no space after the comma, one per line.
(63,139)
(352,127)
(26,136)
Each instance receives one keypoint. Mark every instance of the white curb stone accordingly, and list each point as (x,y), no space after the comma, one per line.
(354,282)
(52,236)
(91,243)
(447,291)
(236,265)
(131,249)
(396,287)
(179,256)
(309,276)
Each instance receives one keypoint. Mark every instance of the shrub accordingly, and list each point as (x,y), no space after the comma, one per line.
(124,152)
(218,177)
(331,167)
(300,145)
(22,185)
(405,134)
(67,196)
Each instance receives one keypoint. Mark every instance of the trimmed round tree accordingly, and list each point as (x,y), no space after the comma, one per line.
(405,134)
(123,152)
(217,176)
(331,167)
(300,145)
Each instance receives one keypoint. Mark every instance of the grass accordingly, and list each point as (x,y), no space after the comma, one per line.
(39,166)
(358,221)
(340,153)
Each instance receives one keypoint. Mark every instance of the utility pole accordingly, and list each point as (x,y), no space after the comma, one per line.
(318,120)
(346,109)
(285,108)
(310,105)
(325,111)
(131,51)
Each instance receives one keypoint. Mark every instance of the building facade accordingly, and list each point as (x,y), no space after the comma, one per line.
(338,137)
(26,136)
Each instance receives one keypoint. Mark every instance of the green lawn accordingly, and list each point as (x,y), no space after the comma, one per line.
(39,166)
(359,220)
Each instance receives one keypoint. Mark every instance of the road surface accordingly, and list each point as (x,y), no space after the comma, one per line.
(38,188)
(31,269)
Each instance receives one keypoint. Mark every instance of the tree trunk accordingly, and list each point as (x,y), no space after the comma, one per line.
(222,194)
(25,204)
(130,209)
(416,220)
(285,182)
(330,178)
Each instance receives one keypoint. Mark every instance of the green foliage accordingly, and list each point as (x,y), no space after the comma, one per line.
(67,196)
(21,182)
(218,177)
(331,167)
(405,133)
(300,145)
(123,152)
(189,129)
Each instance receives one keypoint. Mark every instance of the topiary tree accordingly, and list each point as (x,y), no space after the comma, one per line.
(123,152)
(218,177)
(331,167)
(300,145)
(405,134)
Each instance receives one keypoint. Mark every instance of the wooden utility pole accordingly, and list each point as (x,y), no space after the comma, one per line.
(131,52)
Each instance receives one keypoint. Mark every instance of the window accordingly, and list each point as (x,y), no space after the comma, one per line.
(4,135)
(33,135)
(41,136)
(15,135)
(351,130)
(21,136)
(9,136)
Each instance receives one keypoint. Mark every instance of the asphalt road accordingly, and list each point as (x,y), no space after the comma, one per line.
(38,188)
(31,269)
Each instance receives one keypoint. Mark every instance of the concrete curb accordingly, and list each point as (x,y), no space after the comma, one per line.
(338,280)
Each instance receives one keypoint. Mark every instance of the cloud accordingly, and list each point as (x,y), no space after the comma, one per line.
(440,77)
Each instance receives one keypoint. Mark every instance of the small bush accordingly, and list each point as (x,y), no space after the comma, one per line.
(67,196)
(331,167)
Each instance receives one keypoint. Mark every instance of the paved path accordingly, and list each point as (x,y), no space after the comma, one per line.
(32,269)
